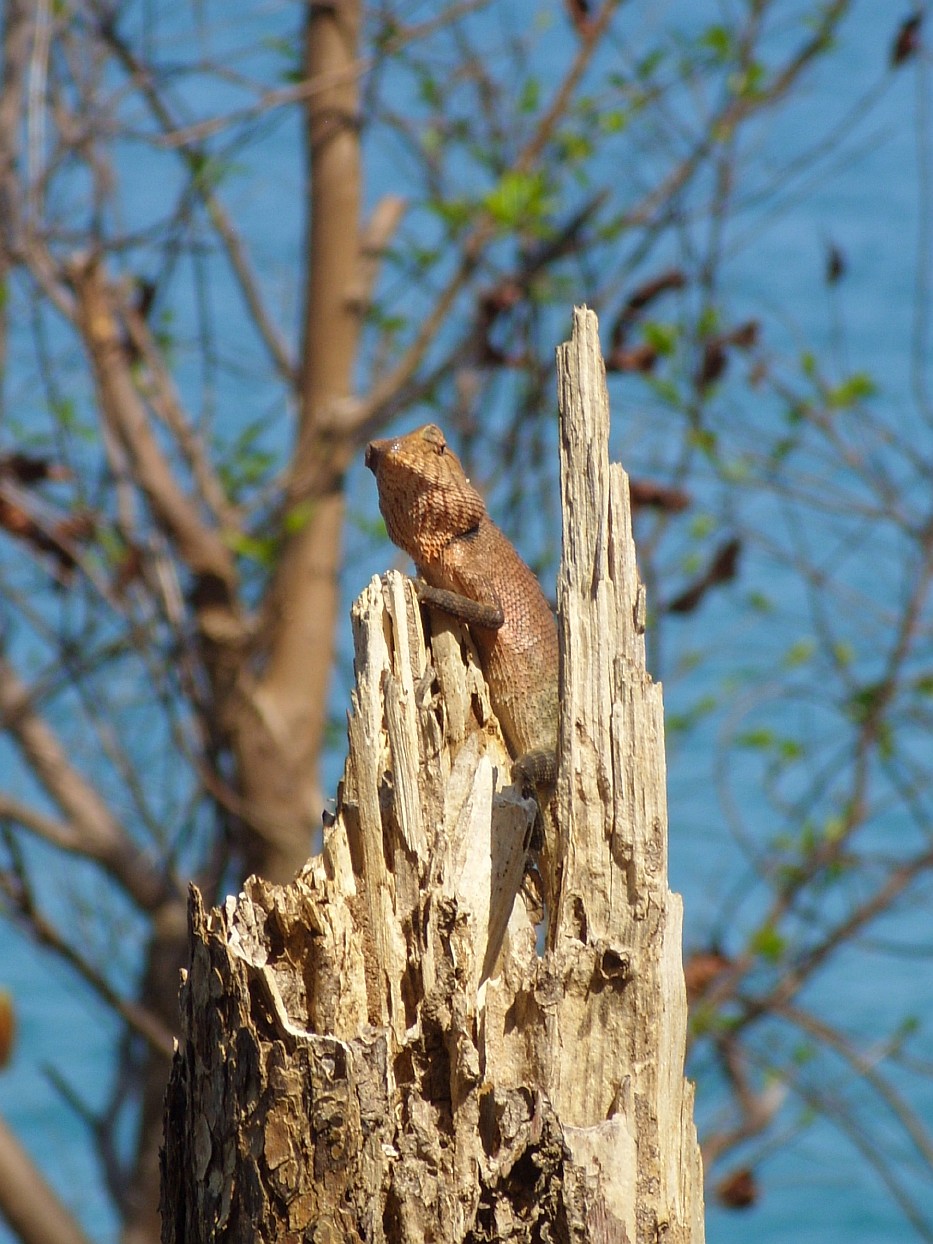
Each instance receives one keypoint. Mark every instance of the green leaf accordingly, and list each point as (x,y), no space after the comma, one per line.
(834,828)
(709,322)
(429,90)
(648,64)
(907,1027)
(457,213)
(782,449)
(433,141)
(865,701)
(64,413)
(261,550)
(737,470)
(519,199)
(375,528)
(681,722)
(689,659)
(246,463)
(665,390)
(718,40)
(799,653)
(663,337)
(857,387)
(708,1019)
(768,943)
(705,440)
(760,739)
(614,121)
(843,653)
(803,1053)
(748,83)
(389,324)
(529,99)
(573,148)
(297,518)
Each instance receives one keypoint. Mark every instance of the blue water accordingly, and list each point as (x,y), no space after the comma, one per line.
(815,1185)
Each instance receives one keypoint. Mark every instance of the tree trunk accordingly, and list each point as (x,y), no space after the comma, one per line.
(386,1049)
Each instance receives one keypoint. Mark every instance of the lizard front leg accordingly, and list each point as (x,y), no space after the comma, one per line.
(463,608)
(537,767)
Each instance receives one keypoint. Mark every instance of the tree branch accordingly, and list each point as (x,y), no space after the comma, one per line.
(166,403)
(370,413)
(863,1066)
(17,37)
(194,160)
(382,224)
(140,1020)
(199,546)
(56,833)
(28,1202)
(96,834)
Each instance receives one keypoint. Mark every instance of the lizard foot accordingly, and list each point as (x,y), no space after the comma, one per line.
(535,769)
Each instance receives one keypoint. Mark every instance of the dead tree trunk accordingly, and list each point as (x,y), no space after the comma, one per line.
(383,1050)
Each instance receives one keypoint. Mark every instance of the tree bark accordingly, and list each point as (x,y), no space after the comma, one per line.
(386,1049)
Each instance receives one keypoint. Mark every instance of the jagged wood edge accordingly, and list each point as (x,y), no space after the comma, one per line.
(617,944)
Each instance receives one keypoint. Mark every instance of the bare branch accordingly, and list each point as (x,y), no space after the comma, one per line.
(166,403)
(377,233)
(199,546)
(236,251)
(17,36)
(305,91)
(35,107)
(864,1066)
(757,1108)
(57,833)
(137,1017)
(28,1203)
(96,834)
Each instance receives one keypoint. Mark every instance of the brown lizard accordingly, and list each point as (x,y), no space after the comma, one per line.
(471,571)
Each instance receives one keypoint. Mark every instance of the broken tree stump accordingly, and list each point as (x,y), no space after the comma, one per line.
(389,1049)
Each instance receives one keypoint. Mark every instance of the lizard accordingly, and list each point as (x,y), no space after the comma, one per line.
(470,570)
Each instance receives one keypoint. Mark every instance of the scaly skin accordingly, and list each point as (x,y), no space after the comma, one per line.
(471,571)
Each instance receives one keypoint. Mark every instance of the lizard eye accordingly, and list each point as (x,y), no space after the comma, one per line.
(435,437)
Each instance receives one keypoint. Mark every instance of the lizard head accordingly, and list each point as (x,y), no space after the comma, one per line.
(424,495)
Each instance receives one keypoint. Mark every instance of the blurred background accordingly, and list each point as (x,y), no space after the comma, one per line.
(237,241)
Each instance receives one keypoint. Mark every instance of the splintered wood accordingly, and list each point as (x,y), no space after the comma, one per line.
(388,1049)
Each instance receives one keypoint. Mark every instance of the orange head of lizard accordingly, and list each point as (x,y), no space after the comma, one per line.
(424,495)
